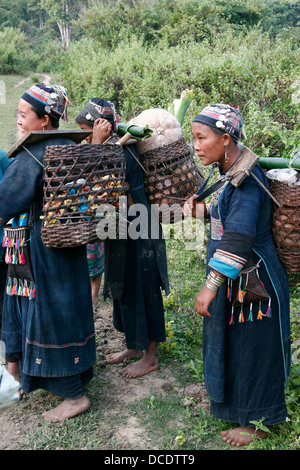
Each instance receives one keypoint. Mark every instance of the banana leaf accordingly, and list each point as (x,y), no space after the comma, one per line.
(180,106)
(137,132)
(270,163)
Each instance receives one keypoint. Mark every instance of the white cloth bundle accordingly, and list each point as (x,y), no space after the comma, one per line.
(287,175)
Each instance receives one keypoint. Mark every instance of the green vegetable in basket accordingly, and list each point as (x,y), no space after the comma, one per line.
(180,106)
(137,132)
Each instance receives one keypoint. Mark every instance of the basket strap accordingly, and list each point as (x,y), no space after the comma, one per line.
(204,194)
(267,191)
(136,159)
(31,154)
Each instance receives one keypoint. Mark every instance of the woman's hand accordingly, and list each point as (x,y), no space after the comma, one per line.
(203,300)
(101,131)
(192,208)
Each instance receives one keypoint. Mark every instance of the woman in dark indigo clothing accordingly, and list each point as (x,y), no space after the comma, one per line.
(4,164)
(135,269)
(246,353)
(49,338)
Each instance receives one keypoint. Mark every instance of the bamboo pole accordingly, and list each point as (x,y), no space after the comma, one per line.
(270,163)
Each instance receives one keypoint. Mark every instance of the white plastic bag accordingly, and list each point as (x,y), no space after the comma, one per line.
(9,388)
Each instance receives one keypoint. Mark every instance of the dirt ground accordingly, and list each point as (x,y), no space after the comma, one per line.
(21,418)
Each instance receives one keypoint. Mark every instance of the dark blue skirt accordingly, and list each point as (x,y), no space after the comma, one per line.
(70,386)
(139,313)
(254,369)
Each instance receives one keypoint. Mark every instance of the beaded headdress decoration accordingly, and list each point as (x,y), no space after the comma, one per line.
(222,117)
(50,99)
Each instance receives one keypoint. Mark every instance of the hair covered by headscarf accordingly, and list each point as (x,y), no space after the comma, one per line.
(98,108)
(48,99)
(224,118)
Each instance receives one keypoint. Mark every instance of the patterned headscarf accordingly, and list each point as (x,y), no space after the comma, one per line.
(222,117)
(98,108)
(49,99)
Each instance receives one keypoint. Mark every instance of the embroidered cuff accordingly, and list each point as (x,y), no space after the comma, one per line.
(227,263)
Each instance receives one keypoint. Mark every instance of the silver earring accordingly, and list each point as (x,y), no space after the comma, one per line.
(226,154)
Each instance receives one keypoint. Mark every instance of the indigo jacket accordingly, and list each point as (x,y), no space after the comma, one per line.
(241,226)
(59,338)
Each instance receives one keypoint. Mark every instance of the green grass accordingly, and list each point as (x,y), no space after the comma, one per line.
(8,108)
(13,87)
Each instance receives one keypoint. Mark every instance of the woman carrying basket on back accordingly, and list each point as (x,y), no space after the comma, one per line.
(246,350)
(48,329)
(135,269)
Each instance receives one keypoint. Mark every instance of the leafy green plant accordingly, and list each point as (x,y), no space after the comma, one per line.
(15,51)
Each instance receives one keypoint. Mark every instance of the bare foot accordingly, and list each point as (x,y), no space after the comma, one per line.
(236,437)
(139,368)
(117,357)
(67,409)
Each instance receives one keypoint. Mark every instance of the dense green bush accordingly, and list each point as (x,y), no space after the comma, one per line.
(15,51)
(251,71)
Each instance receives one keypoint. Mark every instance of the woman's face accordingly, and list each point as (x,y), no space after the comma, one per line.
(209,146)
(28,120)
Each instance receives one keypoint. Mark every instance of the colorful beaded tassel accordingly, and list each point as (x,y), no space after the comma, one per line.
(240,297)
(14,240)
(20,287)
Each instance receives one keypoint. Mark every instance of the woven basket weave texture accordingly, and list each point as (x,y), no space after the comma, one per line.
(79,179)
(172,175)
(286,223)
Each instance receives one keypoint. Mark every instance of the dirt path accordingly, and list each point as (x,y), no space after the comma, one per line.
(46,79)
(17,421)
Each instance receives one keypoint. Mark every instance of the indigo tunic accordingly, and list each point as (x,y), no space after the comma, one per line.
(4,164)
(58,338)
(246,364)
(136,271)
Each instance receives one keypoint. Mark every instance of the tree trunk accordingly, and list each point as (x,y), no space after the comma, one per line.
(64,29)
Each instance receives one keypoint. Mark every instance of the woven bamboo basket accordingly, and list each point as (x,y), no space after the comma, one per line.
(79,180)
(286,223)
(172,177)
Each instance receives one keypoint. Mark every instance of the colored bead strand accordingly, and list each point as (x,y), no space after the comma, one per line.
(250,313)
(259,315)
